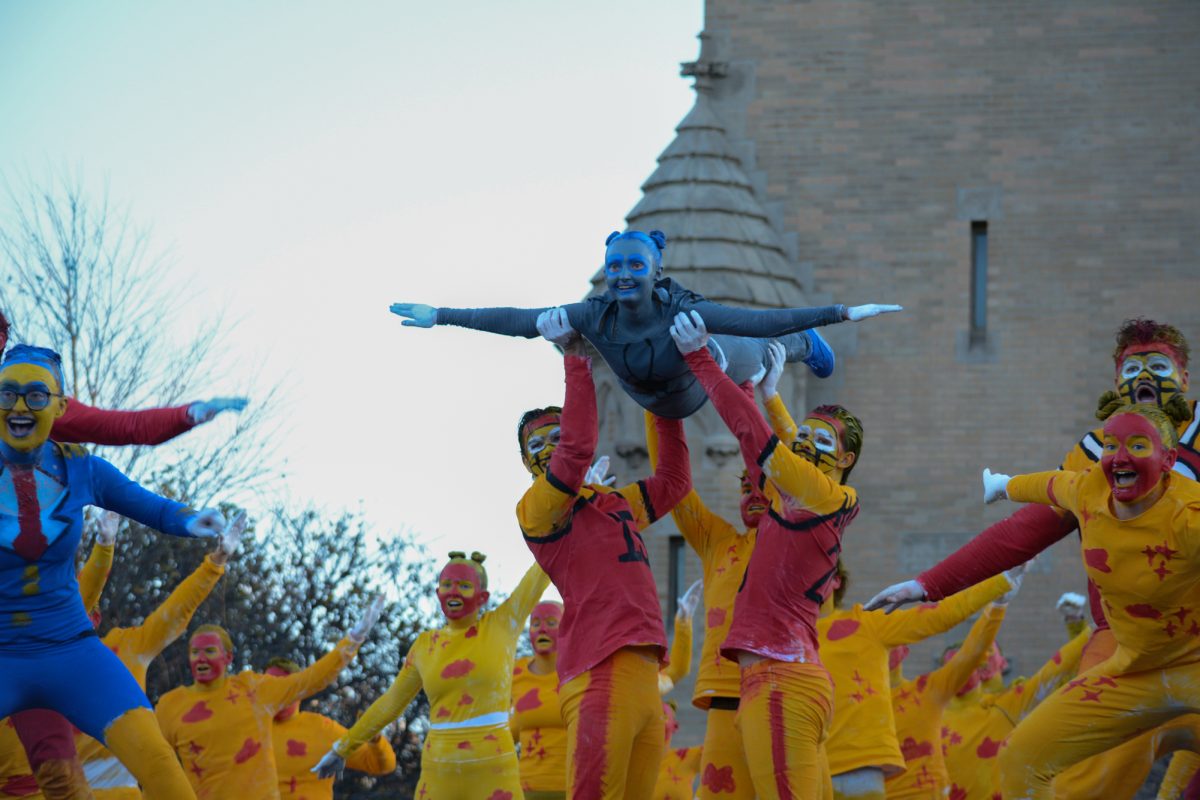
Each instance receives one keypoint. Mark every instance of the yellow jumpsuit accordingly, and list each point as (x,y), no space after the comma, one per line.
(724,552)
(466,671)
(301,740)
(222,731)
(1148,572)
(16,777)
(975,725)
(854,648)
(537,724)
(918,706)
(1121,771)
(677,774)
(137,647)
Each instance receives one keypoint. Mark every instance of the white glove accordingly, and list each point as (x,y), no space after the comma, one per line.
(555,327)
(776,358)
(897,595)
(995,486)
(331,765)
(1071,605)
(203,412)
(231,539)
(207,524)
(110,521)
(856,313)
(358,634)
(598,473)
(1014,575)
(689,332)
(689,601)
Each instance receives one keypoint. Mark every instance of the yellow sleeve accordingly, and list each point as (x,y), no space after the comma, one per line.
(279,692)
(1175,782)
(165,723)
(544,508)
(803,482)
(519,605)
(692,761)
(1020,700)
(681,652)
(692,517)
(388,707)
(1057,488)
(94,575)
(781,420)
(947,679)
(914,624)
(376,757)
(170,620)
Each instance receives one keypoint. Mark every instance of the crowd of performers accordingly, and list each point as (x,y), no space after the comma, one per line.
(803,697)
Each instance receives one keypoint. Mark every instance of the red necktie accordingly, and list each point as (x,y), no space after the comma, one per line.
(30,542)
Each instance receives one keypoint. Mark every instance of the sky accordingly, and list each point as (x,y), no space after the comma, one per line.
(307,164)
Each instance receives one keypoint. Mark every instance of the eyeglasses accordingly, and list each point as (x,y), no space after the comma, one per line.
(35,398)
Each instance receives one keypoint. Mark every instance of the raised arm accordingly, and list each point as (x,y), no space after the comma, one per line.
(170,620)
(692,517)
(671,480)
(94,574)
(519,605)
(681,646)
(761,450)
(546,506)
(950,677)
(1019,700)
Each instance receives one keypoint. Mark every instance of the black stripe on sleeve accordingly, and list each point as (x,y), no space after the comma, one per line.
(650,512)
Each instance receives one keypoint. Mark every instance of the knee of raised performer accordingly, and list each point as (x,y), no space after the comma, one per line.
(62,779)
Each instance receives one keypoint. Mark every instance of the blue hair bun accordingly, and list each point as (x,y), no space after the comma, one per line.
(611,236)
(660,239)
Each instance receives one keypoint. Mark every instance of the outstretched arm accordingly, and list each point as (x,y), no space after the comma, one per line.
(950,677)
(769,322)
(388,707)
(519,605)
(113,490)
(504,321)
(915,624)
(94,574)
(83,423)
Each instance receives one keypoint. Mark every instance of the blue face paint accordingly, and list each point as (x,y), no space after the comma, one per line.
(631,267)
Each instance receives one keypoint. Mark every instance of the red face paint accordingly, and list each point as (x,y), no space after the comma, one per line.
(459,591)
(1134,459)
(291,710)
(208,657)
(754,504)
(543,627)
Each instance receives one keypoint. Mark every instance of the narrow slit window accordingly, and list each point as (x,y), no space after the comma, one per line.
(979,265)
(675,576)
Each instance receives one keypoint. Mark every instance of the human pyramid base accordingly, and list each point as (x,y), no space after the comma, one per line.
(803,697)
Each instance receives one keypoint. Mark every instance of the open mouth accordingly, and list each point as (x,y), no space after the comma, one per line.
(20,426)
(202,669)
(625,287)
(454,604)
(543,641)
(755,508)
(1124,479)
(1145,393)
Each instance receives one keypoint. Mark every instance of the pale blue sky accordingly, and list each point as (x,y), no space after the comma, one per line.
(309,163)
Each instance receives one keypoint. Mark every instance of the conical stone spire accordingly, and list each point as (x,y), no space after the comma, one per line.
(720,240)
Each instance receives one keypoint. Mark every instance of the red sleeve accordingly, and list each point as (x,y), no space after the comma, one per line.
(83,423)
(1008,543)
(736,408)
(578,430)
(672,478)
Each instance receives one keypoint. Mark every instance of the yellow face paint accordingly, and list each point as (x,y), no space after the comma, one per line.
(22,428)
(539,446)
(819,440)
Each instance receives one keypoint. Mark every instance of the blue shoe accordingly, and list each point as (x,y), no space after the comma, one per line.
(820,358)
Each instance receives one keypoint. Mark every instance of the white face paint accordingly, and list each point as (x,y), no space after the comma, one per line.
(1154,363)
(537,442)
(822,439)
